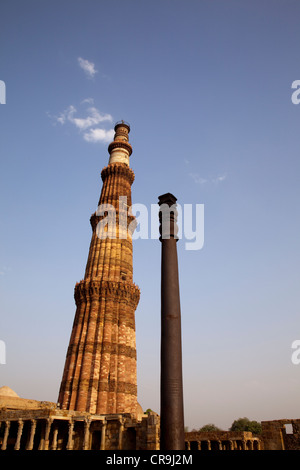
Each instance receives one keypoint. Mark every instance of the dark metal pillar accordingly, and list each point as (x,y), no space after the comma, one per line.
(171,385)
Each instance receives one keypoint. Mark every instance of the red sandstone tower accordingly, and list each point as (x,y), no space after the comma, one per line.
(100,368)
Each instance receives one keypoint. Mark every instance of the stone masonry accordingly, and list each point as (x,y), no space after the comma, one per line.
(277,436)
(100,368)
(38,425)
(222,440)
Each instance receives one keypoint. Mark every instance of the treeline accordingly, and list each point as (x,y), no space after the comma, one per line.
(241,424)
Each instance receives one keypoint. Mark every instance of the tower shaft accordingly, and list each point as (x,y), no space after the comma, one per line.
(100,368)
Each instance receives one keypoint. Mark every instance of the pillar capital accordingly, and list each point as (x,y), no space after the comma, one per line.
(168,217)
(168,199)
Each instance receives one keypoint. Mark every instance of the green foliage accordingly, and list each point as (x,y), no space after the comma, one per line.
(244,424)
(209,428)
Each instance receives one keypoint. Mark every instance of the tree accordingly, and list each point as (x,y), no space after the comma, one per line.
(244,424)
(209,428)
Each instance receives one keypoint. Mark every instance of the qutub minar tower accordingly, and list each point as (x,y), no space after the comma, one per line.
(100,368)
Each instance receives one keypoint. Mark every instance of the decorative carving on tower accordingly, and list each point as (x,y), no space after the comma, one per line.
(100,368)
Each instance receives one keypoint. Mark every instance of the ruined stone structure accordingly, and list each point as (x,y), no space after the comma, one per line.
(281,434)
(222,440)
(34,425)
(100,370)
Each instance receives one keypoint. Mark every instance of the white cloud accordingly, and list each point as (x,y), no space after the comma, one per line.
(87,67)
(99,135)
(4,270)
(93,117)
(197,178)
(88,100)
(65,115)
(219,178)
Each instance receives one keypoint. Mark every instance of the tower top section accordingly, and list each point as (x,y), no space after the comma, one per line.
(120,149)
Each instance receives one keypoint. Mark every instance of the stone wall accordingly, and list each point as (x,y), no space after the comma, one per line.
(17,403)
(55,429)
(222,440)
(276,436)
(50,428)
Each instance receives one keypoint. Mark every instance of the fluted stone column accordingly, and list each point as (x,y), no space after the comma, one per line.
(32,434)
(19,434)
(103,431)
(5,437)
(45,442)
(70,434)
(121,430)
(86,437)
(54,440)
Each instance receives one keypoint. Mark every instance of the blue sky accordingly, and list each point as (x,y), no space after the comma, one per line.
(206,88)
